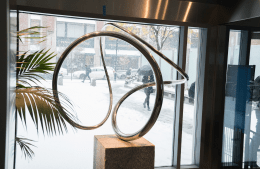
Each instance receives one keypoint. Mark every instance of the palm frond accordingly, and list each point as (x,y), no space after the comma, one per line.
(25,146)
(29,29)
(25,33)
(31,66)
(38,103)
(44,109)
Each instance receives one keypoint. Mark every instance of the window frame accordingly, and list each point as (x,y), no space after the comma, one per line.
(178,109)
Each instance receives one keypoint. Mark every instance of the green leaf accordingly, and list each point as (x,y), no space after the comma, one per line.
(30,68)
(26,33)
(44,109)
(25,146)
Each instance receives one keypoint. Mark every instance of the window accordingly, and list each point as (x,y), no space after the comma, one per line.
(233,48)
(90,28)
(241,119)
(75,30)
(190,113)
(91,102)
(61,29)
(35,21)
(230,98)
(252,152)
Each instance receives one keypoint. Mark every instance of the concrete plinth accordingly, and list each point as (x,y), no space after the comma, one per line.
(112,153)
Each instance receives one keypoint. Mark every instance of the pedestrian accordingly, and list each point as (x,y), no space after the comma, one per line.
(191,92)
(115,75)
(128,72)
(148,90)
(128,76)
(88,71)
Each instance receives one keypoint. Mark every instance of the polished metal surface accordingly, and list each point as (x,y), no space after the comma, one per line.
(228,3)
(179,100)
(172,12)
(213,97)
(157,73)
(198,105)
(57,68)
(245,9)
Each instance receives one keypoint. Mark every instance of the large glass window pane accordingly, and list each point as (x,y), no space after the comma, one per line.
(60,29)
(233,47)
(91,100)
(189,113)
(240,130)
(230,98)
(252,139)
(75,30)
(35,21)
(90,28)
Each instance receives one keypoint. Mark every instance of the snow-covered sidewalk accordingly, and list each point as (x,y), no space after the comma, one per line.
(75,148)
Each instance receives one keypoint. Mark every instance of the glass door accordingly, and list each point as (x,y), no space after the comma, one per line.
(240,148)
(252,150)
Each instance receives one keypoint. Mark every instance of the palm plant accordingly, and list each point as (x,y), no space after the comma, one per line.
(36,101)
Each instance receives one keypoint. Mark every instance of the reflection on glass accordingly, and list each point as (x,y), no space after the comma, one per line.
(11,117)
(233,47)
(189,112)
(230,102)
(252,149)
(241,119)
(82,79)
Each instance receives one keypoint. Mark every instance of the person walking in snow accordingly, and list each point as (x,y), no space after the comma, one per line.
(128,72)
(191,92)
(88,71)
(148,90)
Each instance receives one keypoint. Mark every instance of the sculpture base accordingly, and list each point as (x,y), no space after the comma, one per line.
(111,153)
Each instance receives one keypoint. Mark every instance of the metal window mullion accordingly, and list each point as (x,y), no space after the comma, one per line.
(199,88)
(245,44)
(17,56)
(179,99)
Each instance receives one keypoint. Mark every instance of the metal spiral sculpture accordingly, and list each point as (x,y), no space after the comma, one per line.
(135,41)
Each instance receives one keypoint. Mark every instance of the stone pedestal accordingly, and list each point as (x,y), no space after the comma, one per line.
(112,153)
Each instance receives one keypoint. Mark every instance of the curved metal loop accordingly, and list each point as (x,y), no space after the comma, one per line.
(155,67)
(180,70)
(129,137)
(54,83)
(151,60)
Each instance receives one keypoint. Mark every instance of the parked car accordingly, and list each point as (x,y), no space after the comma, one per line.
(99,73)
(79,74)
(96,73)
(121,74)
(63,71)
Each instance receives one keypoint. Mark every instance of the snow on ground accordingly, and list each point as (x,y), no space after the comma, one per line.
(75,148)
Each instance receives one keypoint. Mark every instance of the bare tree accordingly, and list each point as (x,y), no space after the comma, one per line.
(159,35)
